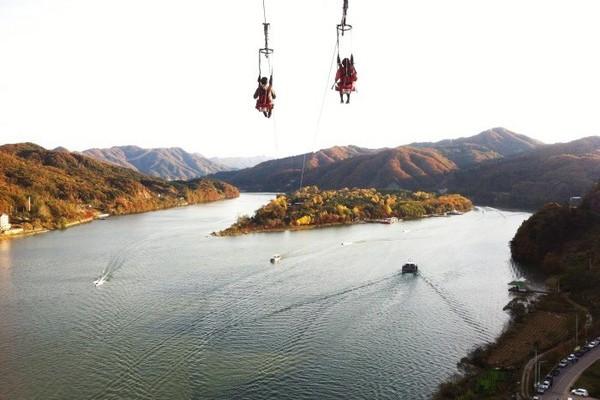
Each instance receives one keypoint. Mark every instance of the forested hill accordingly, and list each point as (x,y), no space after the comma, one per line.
(493,144)
(168,163)
(551,173)
(67,186)
(496,167)
(283,175)
(565,242)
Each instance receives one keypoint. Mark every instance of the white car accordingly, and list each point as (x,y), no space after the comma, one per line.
(580,392)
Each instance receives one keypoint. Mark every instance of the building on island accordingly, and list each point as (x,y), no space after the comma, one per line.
(4,223)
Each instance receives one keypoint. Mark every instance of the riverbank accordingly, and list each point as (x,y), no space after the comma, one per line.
(561,243)
(502,369)
(21,233)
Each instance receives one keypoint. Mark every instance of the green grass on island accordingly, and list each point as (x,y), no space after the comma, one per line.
(311,207)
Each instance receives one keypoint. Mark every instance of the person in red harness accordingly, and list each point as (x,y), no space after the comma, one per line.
(345,78)
(264,96)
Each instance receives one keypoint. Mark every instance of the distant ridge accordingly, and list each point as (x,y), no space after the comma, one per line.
(284,174)
(416,166)
(549,173)
(235,163)
(492,144)
(168,163)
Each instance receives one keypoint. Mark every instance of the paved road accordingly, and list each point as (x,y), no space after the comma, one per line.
(568,376)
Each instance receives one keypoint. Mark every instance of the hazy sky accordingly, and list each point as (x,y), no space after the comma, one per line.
(98,73)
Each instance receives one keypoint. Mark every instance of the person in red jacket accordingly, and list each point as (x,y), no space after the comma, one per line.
(345,78)
(264,96)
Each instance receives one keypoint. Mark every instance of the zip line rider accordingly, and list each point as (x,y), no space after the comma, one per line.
(345,78)
(265,95)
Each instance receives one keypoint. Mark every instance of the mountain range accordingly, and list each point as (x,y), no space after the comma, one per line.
(168,163)
(495,167)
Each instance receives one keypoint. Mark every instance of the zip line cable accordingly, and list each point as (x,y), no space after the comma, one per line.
(318,126)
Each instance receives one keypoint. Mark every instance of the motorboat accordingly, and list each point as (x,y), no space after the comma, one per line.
(275,259)
(410,268)
(99,281)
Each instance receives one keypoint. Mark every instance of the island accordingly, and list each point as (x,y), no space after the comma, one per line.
(311,207)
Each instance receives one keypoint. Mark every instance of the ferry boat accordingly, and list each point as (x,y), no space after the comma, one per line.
(275,259)
(410,268)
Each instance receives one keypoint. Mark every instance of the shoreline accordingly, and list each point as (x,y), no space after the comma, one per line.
(296,228)
(99,217)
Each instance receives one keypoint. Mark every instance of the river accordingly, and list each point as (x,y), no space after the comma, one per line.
(184,315)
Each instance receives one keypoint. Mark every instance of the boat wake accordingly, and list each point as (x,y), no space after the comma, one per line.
(459,309)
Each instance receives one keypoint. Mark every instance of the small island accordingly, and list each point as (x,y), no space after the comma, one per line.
(311,207)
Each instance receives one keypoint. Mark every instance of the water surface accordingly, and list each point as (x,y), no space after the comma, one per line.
(187,316)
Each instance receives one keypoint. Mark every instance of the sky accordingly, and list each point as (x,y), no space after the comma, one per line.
(181,73)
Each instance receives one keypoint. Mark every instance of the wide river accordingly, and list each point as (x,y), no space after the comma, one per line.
(184,315)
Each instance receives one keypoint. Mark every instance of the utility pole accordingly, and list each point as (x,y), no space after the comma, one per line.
(576,329)
(535,366)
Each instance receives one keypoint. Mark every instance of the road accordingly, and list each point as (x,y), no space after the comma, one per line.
(568,376)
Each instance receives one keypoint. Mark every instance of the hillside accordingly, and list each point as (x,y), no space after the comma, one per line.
(284,174)
(496,167)
(492,144)
(404,167)
(549,173)
(167,163)
(67,186)
(420,165)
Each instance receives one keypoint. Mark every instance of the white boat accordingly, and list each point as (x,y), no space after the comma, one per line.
(102,216)
(99,281)
(275,259)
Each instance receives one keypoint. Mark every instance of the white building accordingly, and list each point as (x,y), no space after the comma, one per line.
(4,223)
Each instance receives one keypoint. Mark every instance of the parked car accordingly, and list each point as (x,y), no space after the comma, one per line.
(541,388)
(563,363)
(572,358)
(580,392)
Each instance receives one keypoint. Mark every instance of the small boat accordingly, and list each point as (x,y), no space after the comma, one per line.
(410,268)
(454,212)
(102,216)
(99,281)
(275,259)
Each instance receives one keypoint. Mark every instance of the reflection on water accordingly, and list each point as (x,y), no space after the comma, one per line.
(185,315)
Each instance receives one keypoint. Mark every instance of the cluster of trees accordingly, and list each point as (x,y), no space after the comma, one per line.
(311,206)
(66,187)
(565,242)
